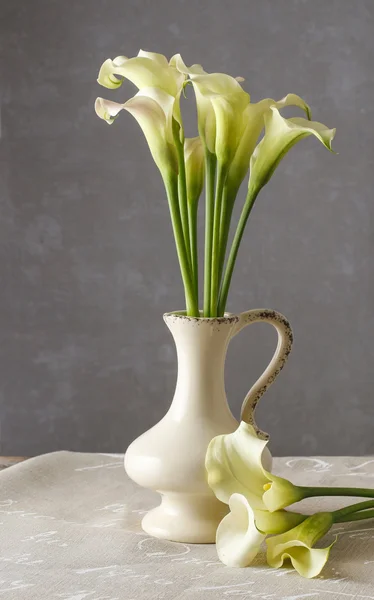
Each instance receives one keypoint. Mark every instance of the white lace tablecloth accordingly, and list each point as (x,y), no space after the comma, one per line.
(70,530)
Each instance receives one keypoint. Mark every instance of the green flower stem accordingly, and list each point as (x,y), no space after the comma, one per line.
(312,492)
(171,186)
(221,177)
(358,516)
(348,513)
(226,214)
(249,202)
(210,170)
(183,206)
(192,221)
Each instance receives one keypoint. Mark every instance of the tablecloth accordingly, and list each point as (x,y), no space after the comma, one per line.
(70,530)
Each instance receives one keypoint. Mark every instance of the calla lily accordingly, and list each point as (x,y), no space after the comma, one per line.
(280,135)
(297,545)
(241,532)
(253,123)
(194,160)
(220,101)
(234,465)
(238,540)
(146,70)
(152,108)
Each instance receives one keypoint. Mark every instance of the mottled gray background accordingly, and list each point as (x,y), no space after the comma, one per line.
(87,258)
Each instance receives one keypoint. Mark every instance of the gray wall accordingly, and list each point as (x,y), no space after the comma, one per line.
(87,258)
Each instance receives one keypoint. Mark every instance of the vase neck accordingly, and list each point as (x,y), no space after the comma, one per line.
(201,349)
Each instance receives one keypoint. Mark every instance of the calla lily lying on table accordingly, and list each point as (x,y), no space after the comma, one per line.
(257,497)
(297,545)
(234,466)
(241,533)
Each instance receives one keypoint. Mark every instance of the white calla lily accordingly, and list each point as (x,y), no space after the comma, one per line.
(152,108)
(280,135)
(220,101)
(234,465)
(238,540)
(253,123)
(297,545)
(148,69)
(241,532)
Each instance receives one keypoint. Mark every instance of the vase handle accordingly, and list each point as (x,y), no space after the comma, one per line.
(285,340)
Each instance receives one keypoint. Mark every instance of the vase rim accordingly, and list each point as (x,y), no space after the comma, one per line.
(180,315)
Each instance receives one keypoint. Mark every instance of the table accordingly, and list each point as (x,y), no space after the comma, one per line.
(70,530)
(9,461)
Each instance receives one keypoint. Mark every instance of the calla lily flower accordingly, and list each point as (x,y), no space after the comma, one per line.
(195,168)
(297,545)
(241,533)
(253,123)
(220,101)
(234,465)
(280,135)
(153,110)
(146,70)
(238,540)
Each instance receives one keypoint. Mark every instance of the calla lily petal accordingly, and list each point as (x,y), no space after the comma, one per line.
(195,168)
(178,62)
(158,58)
(280,135)
(107,110)
(280,493)
(293,100)
(234,465)
(238,539)
(297,545)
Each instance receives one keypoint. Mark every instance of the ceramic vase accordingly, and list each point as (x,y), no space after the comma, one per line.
(170,457)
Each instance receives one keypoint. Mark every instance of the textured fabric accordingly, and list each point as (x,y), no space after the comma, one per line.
(70,530)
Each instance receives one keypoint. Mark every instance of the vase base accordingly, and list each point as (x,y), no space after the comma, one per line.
(188,518)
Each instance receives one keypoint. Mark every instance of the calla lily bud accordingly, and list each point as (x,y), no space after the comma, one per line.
(241,532)
(280,135)
(195,168)
(297,545)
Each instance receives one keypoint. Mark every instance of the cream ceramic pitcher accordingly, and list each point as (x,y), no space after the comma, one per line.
(170,457)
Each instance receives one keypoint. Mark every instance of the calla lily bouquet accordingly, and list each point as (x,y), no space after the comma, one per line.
(223,153)
(257,500)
